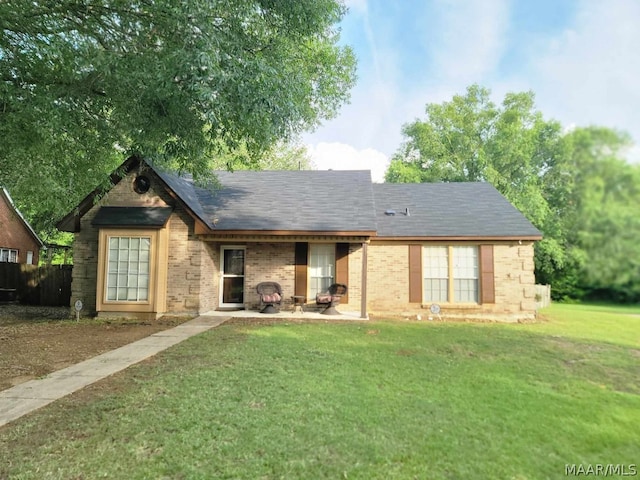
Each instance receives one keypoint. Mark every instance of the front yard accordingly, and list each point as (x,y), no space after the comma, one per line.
(355,400)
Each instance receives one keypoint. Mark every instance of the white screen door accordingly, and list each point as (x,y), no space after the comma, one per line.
(232,276)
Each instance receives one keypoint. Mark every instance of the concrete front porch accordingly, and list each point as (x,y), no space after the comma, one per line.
(286,314)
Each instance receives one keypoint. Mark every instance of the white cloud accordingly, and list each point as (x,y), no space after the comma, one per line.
(340,156)
(589,74)
(470,40)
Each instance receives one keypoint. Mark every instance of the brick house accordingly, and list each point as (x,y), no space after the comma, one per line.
(157,243)
(19,243)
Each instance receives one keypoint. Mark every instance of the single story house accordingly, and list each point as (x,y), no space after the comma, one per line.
(158,243)
(19,243)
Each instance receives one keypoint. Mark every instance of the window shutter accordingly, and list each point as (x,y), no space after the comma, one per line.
(301,255)
(415,273)
(342,267)
(487,277)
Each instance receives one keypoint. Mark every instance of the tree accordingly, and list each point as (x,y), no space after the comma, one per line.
(602,221)
(281,156)
(83,84)
(511,146)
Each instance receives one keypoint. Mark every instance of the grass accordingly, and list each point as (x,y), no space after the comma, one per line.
(354,400)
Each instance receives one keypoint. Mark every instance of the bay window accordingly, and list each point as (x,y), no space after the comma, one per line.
(128,269)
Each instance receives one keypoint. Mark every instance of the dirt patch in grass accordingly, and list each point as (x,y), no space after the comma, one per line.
(35,341)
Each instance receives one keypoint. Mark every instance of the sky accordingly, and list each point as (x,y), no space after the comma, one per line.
(581,58)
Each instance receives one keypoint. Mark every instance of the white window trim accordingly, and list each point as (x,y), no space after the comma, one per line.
(451,268)
(222,276)
(324,280)
(141,292)
(9,252)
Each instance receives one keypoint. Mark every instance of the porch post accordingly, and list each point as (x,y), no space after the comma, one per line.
(363,282)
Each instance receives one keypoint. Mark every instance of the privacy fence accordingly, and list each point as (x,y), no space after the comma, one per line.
(36,285)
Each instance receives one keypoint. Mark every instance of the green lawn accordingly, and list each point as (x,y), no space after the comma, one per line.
(360,400)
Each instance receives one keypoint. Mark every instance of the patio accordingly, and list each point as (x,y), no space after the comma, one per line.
(285,314)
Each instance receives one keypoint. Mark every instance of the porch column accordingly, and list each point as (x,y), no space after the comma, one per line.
(363,282)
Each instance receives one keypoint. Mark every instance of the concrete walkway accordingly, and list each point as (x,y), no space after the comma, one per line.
(29,396)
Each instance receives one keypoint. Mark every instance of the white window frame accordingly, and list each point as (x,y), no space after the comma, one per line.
(128,269)
(435,274)
(466,274)
(224,275)
(30,257)
(321,267)
(8,255)
(451,274)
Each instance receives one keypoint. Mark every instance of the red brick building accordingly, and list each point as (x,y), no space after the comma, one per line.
(19,243)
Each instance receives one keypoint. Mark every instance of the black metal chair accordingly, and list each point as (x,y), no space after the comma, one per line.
(331,298)
(270,296)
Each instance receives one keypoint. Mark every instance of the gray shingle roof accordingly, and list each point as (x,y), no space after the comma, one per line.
(327,201)
(448,210)
(337,201)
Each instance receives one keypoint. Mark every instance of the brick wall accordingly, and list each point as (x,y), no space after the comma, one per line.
(276,262)
(269,262)
(193,269)
(388,290)
(388,278)
(14,234)
(190,262)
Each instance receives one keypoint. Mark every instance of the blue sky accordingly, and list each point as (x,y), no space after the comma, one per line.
(581,58)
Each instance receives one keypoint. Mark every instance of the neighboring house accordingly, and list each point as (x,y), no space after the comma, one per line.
(157,243)
(19,243)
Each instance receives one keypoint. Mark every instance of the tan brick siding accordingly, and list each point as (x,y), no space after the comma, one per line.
(388,289)
(193,272)
(190,262)
(388,278)
(269,262)
(276,262)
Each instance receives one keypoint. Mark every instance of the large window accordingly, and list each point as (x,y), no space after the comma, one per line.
(450,274)
(128,269)
(8,255)
(436,274)
(322,263)
(465,274)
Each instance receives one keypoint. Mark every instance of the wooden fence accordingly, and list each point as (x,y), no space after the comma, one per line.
(36,285)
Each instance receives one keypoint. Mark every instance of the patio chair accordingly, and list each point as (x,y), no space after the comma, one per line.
(331,298)
(270,296)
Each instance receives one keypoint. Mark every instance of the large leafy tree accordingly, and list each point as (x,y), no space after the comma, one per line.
(601,218)
(291,155)
(510,145)
(82,84)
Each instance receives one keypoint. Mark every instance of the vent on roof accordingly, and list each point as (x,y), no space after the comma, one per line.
(391,213)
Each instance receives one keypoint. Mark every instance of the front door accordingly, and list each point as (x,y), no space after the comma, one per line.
(232,276)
